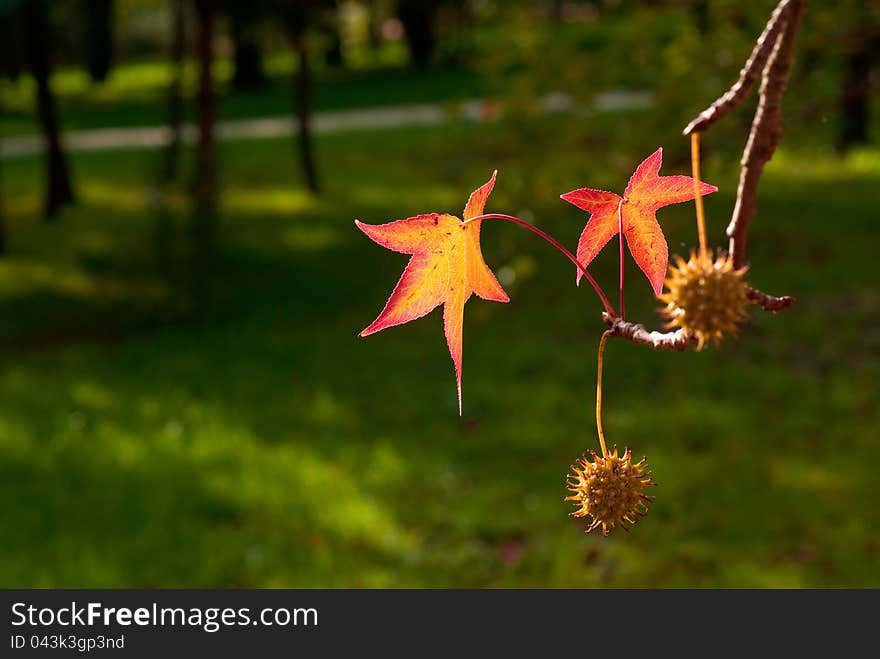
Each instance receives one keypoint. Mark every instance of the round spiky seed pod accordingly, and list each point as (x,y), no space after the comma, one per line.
(706,298)
(610,489)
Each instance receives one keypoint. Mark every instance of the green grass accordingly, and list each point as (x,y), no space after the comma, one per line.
(269,446)
(136,93)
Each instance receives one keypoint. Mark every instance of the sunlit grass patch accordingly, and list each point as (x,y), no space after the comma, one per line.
(270,446)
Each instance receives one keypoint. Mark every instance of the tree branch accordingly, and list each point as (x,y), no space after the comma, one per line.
(637,333)
(749,73)
(772,57)
(766,128)
(769,302)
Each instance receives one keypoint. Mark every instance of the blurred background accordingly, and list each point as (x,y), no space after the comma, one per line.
(184,401)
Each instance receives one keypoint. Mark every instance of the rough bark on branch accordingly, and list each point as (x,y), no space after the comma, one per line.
(770,302)
(747,76)
(766,129)
(637,333)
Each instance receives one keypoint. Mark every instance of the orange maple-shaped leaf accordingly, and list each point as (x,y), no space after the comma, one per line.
(446,267)
(645,193)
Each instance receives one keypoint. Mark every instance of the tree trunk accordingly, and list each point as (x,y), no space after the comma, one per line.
(854,97)
(204,224)
(2,222)
(10,46)
(175,93)
(165,244)
(207,104)
(700,12)
(329,27)
(59,191)
(99,23)
(248,74)
(419,18)
(304,112)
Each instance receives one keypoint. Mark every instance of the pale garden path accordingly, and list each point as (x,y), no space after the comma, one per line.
(419,114)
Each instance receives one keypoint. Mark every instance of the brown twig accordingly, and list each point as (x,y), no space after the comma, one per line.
(766,128)
(770,302)
(749,73)
(637,333)
(771,57)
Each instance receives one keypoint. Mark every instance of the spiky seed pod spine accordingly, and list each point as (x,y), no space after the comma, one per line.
(610,489)
(707,297)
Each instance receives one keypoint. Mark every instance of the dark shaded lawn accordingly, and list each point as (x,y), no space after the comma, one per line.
(268,446)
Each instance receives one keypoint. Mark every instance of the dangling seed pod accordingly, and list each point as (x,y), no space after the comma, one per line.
(707,299)
(610,489)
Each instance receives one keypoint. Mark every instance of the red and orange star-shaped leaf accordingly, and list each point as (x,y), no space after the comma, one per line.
(645,194)
(446,267)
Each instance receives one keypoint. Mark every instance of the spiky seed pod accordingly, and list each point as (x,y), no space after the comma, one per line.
(610,490)
(706,298)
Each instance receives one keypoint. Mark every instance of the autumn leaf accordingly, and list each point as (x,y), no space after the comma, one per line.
(645,194)
(446,267)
